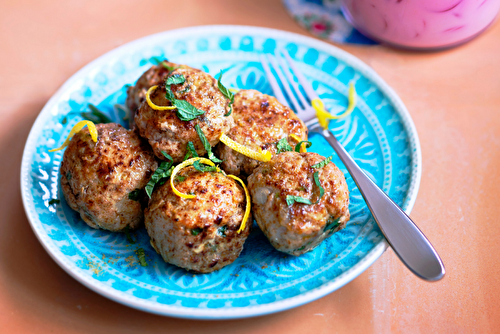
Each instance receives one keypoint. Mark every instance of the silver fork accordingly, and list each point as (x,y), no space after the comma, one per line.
(407,241)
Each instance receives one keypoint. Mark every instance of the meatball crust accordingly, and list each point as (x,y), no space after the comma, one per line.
(166,132)
(136,95)
(198,234)
(260,122)
(298,228)
(96,178)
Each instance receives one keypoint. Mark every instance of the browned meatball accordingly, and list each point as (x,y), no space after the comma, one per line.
(260,121)
(136,95)
(166,132)
(198,234)
(96,178)
(298,228)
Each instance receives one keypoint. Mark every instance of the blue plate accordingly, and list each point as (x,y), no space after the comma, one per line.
(380,135)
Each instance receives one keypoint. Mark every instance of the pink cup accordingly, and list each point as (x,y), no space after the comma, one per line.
(421,24)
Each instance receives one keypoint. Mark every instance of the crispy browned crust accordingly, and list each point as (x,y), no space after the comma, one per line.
(170,220)
(298,228)
(260,121)
(96,178)
(166,132)
(136,94)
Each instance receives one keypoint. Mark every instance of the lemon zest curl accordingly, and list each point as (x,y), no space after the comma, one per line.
(324,116)
(248,208)
(260,155)
(77,128)
(154,106)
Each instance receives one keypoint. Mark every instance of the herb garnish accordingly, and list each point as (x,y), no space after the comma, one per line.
(203,168)
(226,92)
(54,201)
(179,178)
(142,257)
(222,231)
(135,195)
(191,150)
(95,115)
(162,172)
(196,231)
(170,68)
(323,163)
(206,144)
(175,79)
(283,146)
(299,145)
(332,224)
(155,60)
(185,110)
(292,199)
(318,183)
(128,236)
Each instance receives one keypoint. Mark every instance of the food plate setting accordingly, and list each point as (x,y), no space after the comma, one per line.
(379,135)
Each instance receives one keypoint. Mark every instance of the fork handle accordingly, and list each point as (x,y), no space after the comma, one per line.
(407,241)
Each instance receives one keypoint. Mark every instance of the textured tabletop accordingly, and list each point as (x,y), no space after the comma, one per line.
(453,97)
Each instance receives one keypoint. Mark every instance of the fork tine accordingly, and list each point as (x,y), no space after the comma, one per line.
(272,81)
(289,92)
(291,81)
(311,94)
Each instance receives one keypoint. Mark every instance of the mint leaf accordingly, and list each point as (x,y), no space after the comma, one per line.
(323,163)
(128,236)
(142,257)
(162,172)
(203,168)
(175,79)
(283,146)
(297,147)
(191,150)
(292,199)
(170,68)
(226,92)
(332,224)
(318,183)
(186,111)
(196,231)
(135,195)
(95,115)
(222,231)
(206,144)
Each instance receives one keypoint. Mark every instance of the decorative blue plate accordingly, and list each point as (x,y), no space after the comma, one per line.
(380,135)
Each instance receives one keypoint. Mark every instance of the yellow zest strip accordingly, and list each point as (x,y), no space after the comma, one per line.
(234,90)
(248,208)
(263,156)
(297,138)
(324,116)
(154,106)
(180,166)
(77,128)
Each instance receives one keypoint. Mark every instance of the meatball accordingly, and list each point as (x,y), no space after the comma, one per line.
(198,234)
(166,132)
(136,95)
(97,178)
(260,121)
(298,228)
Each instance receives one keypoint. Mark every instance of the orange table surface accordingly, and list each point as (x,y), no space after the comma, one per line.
(453,97)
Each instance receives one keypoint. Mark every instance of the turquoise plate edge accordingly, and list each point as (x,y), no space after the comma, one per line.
(219,309)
